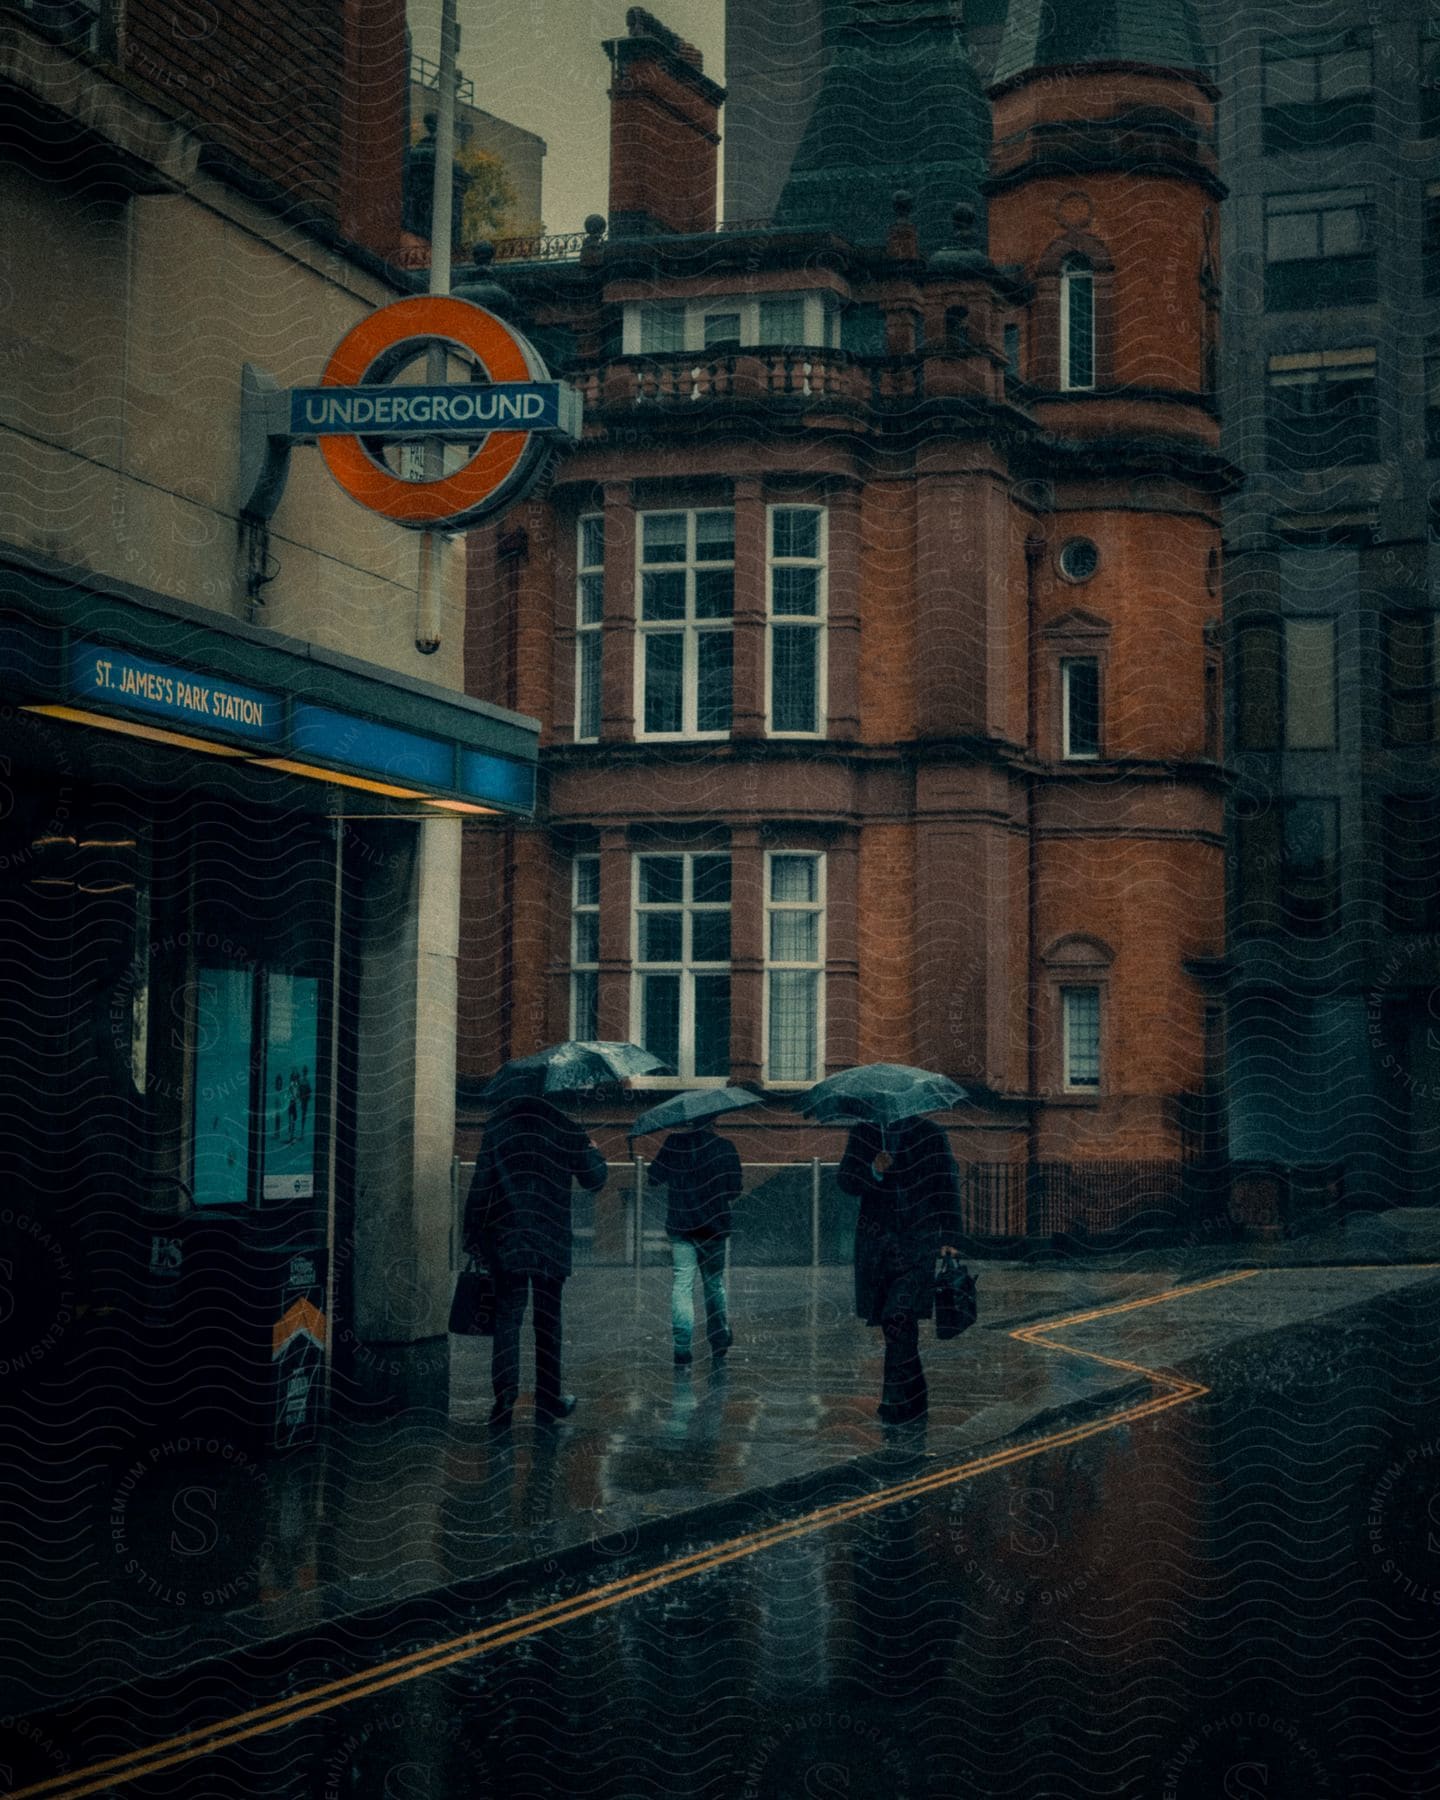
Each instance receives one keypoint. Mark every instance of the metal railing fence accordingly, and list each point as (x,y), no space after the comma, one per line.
(793,1215)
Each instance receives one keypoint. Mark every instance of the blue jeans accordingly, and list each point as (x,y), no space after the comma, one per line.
(708,1256)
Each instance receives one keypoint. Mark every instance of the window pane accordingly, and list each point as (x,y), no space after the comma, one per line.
(664,663)
(794,1037)
(1292,235)
(1081,677)
(1257,649)
(584,1013)
(587,881)
(662,597)
(712,1025)
(592,543)
(662,879)
(660,1019)
(714,593)
(587,937)
(662,328)
(592,599)
(795,592)
(1309,684)
(1345,232)
(661,937)
(714,681)
(794,936)
(794,877)
(711,881)
(1346,73)
(715,537)
(794,675)
(1082,1037)
(782,321)
(587,724)
(710,937)
(1289,80)
(721,330)
(796,531)
(663,537)
(1080,335)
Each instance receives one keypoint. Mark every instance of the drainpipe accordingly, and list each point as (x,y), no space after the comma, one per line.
(430,599)
(1034,551)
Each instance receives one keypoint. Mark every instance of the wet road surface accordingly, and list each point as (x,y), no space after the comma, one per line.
(1229,1584)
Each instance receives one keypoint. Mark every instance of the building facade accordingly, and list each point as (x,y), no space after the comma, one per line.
(234,782)
(871,628)
(1330,143)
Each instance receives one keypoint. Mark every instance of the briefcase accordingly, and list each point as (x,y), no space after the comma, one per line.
(956,1303)
(472,1311)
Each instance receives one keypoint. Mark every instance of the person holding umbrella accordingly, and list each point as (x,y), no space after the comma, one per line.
(900,1166)
(517,1215)
(701,1172)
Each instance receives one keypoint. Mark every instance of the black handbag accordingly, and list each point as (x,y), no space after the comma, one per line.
(472,1311)
(956,1303)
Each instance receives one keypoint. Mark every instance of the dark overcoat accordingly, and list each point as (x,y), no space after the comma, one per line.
(517,1215)
(906,1214)
(701,1171)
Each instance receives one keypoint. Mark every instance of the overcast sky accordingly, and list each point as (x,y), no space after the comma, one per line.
(539,64)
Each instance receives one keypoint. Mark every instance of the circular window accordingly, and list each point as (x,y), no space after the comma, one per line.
(1079,559)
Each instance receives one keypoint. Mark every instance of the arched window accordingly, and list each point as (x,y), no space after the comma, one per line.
(1077,323)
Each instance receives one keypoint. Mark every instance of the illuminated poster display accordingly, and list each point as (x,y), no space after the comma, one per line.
(224,1013)
(287,1089)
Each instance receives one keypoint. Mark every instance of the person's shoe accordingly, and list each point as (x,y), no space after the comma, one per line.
(549,1412)
(501,1415)
(722,1344)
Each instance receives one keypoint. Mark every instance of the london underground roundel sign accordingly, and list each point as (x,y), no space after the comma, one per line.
(508,414)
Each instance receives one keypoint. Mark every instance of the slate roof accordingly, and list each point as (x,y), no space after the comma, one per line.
(1043,34)
(900,107)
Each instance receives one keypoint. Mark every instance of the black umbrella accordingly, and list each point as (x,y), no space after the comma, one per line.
(687,1109)
(881,1094)
(567,1068)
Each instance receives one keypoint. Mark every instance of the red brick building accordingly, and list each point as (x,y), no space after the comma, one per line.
(871,625)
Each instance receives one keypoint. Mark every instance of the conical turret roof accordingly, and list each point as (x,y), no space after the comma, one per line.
(1047,34)
(900,108)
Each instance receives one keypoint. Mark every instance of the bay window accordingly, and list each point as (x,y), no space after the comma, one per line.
(685,637)
(796,616)
(794,966)
(589,614)
(584,947)
(681,961)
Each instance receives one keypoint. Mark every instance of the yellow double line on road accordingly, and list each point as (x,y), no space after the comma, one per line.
(241,1727)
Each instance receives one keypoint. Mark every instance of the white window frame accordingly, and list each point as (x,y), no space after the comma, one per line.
(687,968)
(796,622)
(586,632)
(689,629)
(1072,268)
(821,329)
(579,968)
(1067,993)
(819,907)
(1067,664)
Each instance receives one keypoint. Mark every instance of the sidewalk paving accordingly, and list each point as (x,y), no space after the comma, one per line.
(216,1550)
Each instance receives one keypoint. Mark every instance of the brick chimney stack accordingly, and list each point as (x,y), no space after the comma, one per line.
(664,137)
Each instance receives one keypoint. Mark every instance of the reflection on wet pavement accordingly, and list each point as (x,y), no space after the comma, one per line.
(1237,1596)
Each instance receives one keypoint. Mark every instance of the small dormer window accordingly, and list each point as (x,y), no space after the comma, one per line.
(1077,323)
